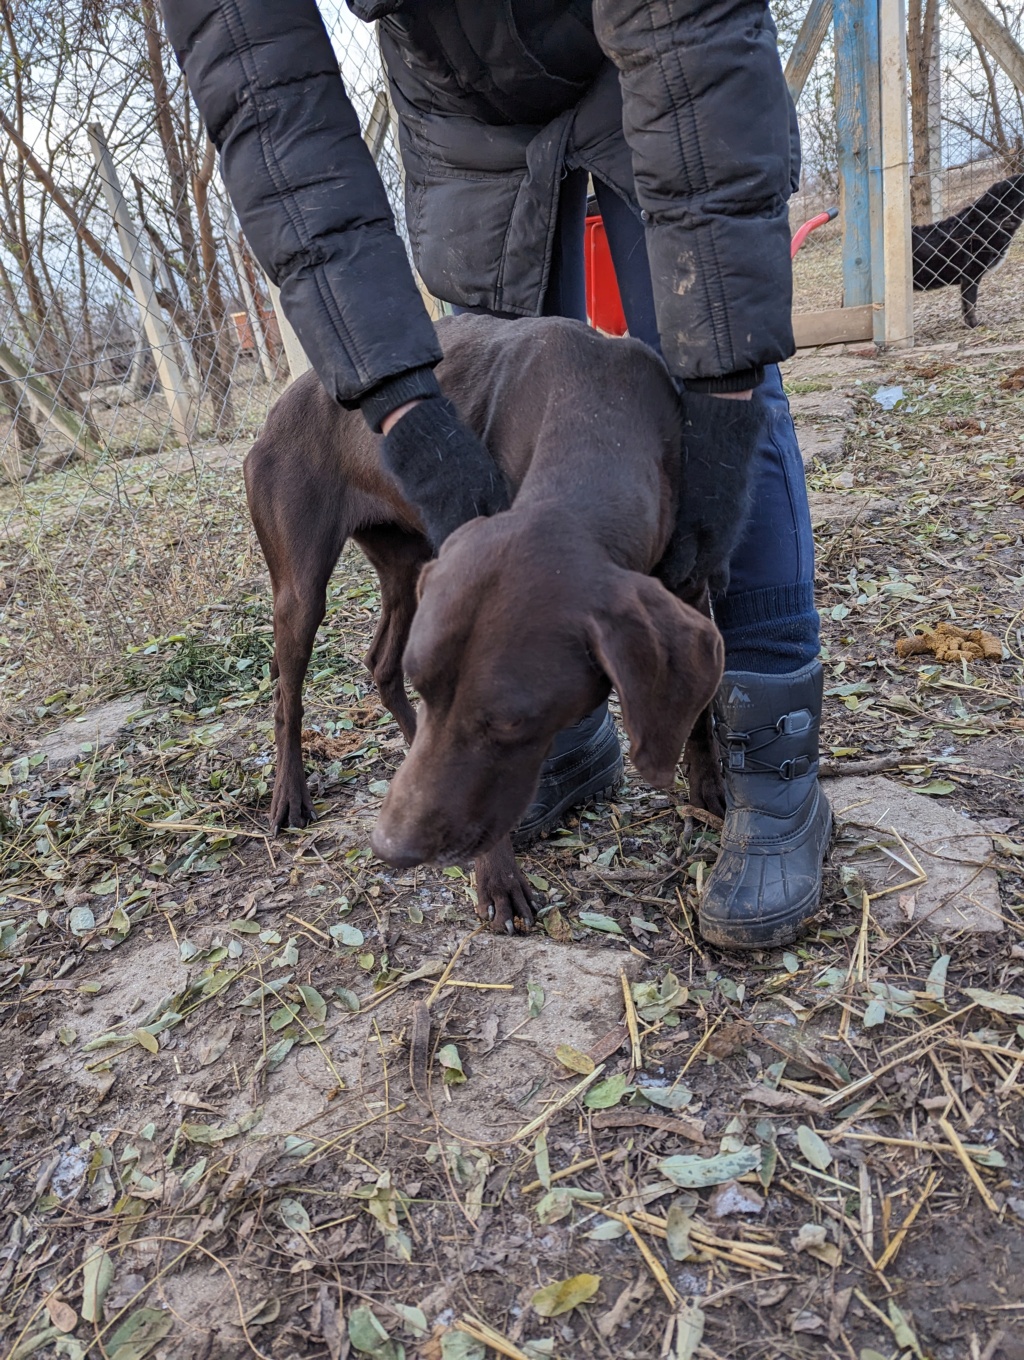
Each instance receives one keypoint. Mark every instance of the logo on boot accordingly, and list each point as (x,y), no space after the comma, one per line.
(738,696)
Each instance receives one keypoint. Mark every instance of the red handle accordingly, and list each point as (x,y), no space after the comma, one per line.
(811,225)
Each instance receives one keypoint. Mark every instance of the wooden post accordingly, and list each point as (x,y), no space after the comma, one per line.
(145,294)
(994,36)
(298,363)
(38,393)
(897,248)
(252,307)
(855,24)
(816,24)
(935,118)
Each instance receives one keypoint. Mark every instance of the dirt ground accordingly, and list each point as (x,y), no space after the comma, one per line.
(226,1129)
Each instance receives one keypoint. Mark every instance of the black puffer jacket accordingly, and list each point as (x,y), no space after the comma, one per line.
(494,102)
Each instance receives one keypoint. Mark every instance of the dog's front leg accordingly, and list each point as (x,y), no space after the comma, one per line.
(700,758)
(504,897)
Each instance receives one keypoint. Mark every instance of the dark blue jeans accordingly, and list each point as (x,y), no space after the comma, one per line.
(767,614)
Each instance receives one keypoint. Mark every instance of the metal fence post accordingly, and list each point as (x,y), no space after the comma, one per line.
(145,294)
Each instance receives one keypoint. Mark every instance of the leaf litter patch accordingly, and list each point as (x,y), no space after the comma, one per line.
(269,1097)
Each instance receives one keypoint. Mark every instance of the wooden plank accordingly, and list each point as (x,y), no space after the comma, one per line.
(837,326)
(856,41)
(167,368)
(899,270)
(994,36)
(813,31)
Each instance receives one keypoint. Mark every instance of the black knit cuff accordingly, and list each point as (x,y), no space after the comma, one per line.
(742,381)
(415,385)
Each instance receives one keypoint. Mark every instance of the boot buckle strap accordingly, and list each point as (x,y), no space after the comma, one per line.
(795,724)
(795,767)
(736,744)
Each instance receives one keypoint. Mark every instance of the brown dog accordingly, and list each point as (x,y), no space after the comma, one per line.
(525,620)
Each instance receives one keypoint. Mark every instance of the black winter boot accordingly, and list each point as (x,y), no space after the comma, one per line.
(585,762)
(767,881)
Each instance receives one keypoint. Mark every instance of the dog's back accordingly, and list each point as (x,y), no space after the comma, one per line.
(599,413)
(969,243)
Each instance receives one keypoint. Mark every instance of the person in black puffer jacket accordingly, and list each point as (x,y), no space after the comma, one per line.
(678,112)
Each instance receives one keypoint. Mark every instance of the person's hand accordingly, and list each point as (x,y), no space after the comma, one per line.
(443,469)
(720,434)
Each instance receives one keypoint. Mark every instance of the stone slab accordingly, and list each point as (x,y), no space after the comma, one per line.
(98,727)
(960,892)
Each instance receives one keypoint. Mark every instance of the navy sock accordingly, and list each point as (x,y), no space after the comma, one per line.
(771,631)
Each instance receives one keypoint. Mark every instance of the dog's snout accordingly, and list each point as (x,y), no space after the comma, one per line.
(400,851)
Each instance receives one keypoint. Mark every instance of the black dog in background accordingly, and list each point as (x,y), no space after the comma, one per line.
(963,248)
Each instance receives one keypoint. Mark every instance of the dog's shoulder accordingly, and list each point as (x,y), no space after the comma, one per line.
(547,352)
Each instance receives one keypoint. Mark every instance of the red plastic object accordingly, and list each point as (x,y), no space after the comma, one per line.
(810,225)
(604,305)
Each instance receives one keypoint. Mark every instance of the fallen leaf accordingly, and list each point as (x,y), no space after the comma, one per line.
(574,1060)
(903,1333)
(783,1100)
(448,1057)
(808,1322)
(678,1222)
(689,1330)
(564,1295)
(1000,1002)
(146,1040)
(874,1013)
(293,1215)
(365,1331)
(607,1093)
(694,1172)
(97,1277)
(62,1315)
(935,987)
(139,1333)
(535,999)
(315,1003)
(631,1298)
(456,1345)
(413,1318)
(814,1148)
(596,921)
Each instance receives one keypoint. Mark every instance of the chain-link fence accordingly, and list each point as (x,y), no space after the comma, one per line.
(139,345)
(966,134)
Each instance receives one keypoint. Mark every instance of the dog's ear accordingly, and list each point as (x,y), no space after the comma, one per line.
(665,662)
(421,580)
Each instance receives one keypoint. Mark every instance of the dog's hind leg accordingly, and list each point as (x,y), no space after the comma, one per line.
(398,558)
(969,301)
(300,525)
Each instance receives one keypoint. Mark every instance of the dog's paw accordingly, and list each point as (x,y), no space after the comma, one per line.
(291,805)
(504,898)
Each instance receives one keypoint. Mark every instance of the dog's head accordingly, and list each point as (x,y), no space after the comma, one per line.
(521,630)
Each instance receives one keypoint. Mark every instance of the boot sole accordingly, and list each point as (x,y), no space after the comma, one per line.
(596,790)
(770,932)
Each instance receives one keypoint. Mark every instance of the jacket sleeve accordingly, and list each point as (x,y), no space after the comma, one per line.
(707,117)
(306,190)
